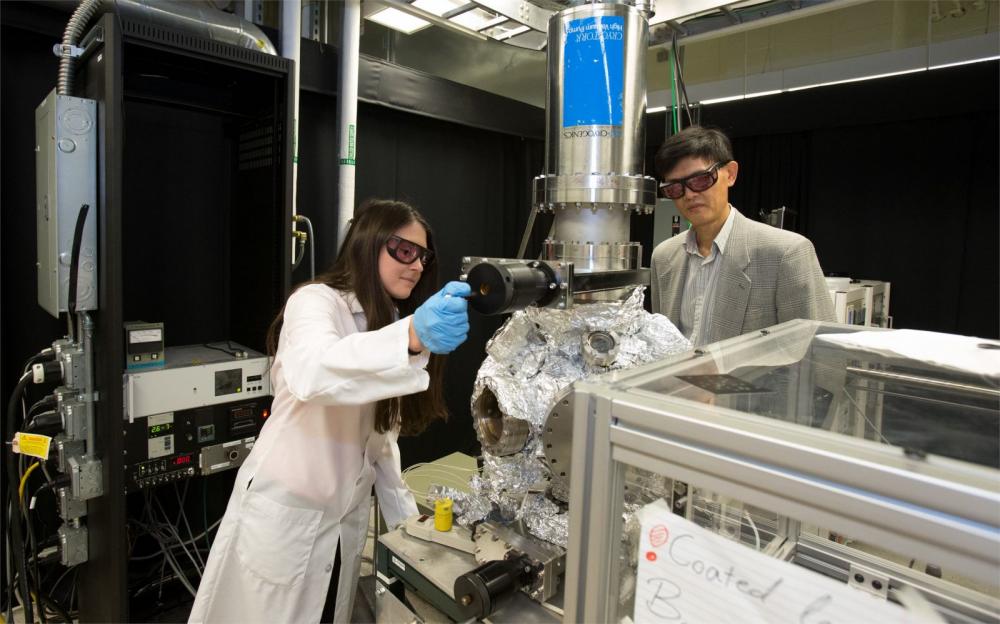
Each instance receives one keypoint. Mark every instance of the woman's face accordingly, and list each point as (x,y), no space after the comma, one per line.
(398,278)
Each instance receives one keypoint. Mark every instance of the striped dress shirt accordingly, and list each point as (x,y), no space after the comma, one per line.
(702,274)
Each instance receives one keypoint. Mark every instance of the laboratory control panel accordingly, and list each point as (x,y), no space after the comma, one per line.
(195,376)
(160,471)
(199,414)
(173,446)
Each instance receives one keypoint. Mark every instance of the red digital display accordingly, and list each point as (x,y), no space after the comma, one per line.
(183,459)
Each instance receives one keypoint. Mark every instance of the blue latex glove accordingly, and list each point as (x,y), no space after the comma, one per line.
(442,322)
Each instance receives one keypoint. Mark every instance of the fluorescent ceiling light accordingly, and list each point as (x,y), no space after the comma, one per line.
(656,109)
(722,99)
(740,97)
(848,80)
(397,20)
(438,7)
(957,63)
(500,31)
(497,21)
(476,19)
(858,79)
(513,32)
(761,94)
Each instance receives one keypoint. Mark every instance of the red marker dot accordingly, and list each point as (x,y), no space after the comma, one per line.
(651,556)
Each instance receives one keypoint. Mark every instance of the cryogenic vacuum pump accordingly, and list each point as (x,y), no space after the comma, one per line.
(577,309)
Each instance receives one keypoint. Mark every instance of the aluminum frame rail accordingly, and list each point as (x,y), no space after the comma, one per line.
(933,508)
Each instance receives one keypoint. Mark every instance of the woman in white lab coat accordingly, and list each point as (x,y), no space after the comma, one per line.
(353,366)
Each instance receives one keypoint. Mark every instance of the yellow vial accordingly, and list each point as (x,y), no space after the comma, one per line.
(442,514)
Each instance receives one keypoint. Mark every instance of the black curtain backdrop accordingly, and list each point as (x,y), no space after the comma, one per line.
(773,173)
(472,185)
(893,179)
(924,222)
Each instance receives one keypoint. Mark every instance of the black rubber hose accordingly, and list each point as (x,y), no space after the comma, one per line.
(20,563)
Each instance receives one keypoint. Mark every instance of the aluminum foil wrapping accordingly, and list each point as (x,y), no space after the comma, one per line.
(559,488)
(519,346)
(533,357)
(467,509)
(632,530)
(514,475)
(527,398)
(628,560)
(545,519)
(644,337)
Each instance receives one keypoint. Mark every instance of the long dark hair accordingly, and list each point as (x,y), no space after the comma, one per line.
(356,270)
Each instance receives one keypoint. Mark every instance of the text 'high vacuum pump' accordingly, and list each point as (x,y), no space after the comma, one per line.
(593,179)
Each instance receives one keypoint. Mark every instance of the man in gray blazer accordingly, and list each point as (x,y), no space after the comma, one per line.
(728,275)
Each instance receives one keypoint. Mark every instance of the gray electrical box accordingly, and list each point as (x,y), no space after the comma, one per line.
(65,180)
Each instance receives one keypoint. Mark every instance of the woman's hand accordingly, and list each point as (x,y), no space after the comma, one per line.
(441,324)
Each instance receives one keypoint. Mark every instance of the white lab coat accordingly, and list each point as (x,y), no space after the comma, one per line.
(306,484)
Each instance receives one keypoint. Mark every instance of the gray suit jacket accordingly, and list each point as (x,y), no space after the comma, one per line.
(768,276)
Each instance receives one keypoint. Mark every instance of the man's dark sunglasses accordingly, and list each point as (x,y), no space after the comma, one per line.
(697,182)
(408,252)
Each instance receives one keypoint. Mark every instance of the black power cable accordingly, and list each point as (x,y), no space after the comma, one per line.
(14,544)
(34,557)
(9,543)
(42,599)
(229,350)
(51,603)
(45,422)
(17,539)
(46,355)
(74,265)
(43,405)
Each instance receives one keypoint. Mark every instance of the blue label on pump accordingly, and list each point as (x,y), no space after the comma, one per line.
(593,61)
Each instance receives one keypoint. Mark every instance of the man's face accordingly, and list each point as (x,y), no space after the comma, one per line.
(710,205)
